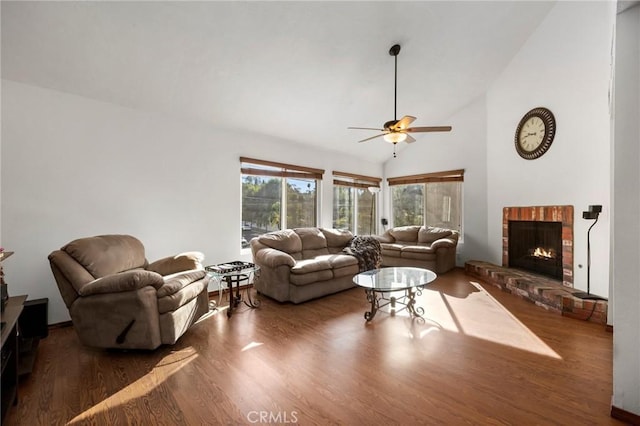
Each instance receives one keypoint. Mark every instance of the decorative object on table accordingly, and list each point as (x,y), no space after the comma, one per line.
(235,272)
(117,299)
(395,130)
(535,133)
(591,214)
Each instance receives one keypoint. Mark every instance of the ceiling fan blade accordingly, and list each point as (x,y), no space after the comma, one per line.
(409,139)
(404,122)
(366,128)
(372,137)
(429,129)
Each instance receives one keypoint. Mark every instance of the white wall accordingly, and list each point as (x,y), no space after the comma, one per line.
(625,239)
(462,148)
(74,167)
(564,66)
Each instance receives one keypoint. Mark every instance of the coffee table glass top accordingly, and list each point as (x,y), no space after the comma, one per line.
(394,278)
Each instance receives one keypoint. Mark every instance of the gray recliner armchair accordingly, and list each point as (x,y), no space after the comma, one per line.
(117,299)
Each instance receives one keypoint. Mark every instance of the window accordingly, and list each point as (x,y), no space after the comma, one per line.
(277,196)
(432,199)
(354,202)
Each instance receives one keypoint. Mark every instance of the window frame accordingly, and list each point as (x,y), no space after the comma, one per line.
(425,179)
(284,172)
(358,182)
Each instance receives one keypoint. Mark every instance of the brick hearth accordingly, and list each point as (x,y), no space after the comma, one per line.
(545,292)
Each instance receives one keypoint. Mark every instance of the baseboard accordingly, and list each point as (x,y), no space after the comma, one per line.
(625,416)
(60,325)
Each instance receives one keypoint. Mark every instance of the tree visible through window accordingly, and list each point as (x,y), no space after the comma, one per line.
(354,203)
(433,199)
(277,196)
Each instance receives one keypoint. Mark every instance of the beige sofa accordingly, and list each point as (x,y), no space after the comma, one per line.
(300,264)
(423,247)
(116,299)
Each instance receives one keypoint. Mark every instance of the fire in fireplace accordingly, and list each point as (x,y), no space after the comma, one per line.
(536,246)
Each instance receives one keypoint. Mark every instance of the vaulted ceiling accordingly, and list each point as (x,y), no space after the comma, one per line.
(299,71)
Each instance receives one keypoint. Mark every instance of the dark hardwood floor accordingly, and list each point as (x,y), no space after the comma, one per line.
(481,357)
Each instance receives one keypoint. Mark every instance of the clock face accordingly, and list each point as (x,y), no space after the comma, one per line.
(534,133)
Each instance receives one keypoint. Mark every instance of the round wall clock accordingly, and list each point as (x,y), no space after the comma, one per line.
(535,132)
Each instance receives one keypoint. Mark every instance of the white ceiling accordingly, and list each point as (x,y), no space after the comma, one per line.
(300,71)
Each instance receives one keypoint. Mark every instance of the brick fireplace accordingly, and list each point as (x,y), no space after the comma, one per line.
(559,214)
(546,292)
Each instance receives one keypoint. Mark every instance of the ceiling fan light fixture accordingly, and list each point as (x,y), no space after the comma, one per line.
(395,137)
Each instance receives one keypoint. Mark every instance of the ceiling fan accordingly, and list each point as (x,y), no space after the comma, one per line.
(395,130)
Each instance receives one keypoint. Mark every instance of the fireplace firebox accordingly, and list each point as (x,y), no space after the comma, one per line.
(562,214)
(536,246)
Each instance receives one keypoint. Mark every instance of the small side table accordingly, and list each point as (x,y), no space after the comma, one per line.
(10,353)
(231,273)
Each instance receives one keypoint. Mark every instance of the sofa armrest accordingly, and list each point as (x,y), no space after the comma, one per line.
(444,243)
(273,258)
(121,282)
(178,263)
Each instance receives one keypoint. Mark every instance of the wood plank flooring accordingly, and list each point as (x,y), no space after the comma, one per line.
(480,357)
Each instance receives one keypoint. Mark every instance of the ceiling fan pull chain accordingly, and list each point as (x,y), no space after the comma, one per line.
(394,150)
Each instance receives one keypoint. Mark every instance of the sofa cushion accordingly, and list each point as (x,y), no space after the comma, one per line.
(430,234)
(391,248)
(418,252)
(350,270)
(314,243)
(311,277)
(286,240)
(339,260)
(337,238)
(405,233)
(310,265)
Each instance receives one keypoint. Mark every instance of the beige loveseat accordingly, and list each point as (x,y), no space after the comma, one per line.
(300,264)
(420,246)
(117,299)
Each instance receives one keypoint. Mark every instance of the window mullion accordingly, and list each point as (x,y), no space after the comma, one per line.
(283,204)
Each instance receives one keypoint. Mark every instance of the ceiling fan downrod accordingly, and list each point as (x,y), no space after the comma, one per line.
(395,51)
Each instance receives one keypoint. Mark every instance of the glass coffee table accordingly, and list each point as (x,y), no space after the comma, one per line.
(378,283)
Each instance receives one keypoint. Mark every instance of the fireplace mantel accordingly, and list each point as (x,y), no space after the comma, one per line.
(563,214)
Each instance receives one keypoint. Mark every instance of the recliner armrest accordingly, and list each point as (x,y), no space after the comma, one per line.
(177,282)
(181,262)
(121,282)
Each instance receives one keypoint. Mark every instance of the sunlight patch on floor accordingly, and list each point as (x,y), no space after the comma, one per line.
(251,346)
(480,315)
(168,366)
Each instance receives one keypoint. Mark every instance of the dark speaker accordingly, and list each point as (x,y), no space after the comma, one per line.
(33,320)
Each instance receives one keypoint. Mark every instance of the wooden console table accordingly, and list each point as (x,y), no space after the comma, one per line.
(9,379)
